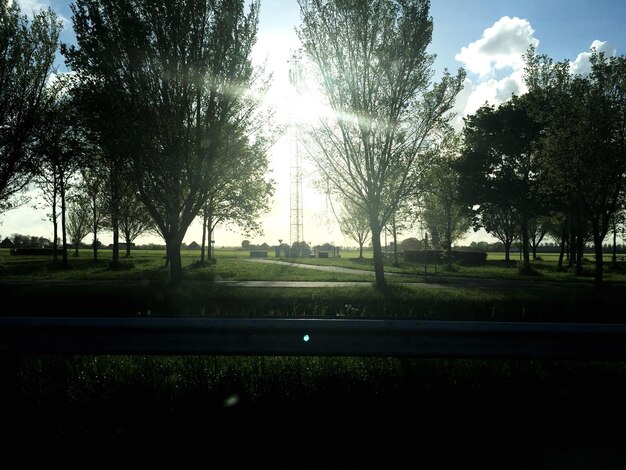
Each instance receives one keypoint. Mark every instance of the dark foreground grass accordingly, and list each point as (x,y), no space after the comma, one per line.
(318,412)
(193,299)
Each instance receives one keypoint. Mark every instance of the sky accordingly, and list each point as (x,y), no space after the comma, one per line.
(485,37)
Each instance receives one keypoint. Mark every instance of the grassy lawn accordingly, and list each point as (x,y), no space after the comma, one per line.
(233,264)
(495,268)
(150,265)
(575,300)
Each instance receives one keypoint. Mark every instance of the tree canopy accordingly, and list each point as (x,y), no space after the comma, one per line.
(27,51)
(167,82)
(375,74)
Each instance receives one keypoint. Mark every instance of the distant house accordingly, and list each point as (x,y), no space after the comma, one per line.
(6,243)
(193,246)
(326,251)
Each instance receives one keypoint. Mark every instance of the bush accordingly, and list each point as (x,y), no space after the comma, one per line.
(527,270)
(428,256)
(198,264)
(468,258)
(120,266)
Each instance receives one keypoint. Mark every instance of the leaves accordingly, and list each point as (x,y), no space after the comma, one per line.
(27,51)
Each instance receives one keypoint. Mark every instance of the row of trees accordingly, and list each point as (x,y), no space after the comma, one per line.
(375,73)
(549,162)
(157,124)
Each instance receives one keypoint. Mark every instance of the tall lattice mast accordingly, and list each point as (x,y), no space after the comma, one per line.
(296,216)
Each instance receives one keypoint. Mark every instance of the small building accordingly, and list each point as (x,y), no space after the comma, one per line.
(193,246)
(326,251)
(7,243)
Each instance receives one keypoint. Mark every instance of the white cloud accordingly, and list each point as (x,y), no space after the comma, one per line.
(494,91)
(497,58)
(501,46)
(582,66)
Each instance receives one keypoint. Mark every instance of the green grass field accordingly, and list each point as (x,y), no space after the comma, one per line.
(564,298)
(232,264)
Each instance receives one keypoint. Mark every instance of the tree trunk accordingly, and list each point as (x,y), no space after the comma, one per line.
(525,243)
(204,216)
(209,226)
(580,251)
(173,242)
(379,268)
(614,256)
(434,237)
(448,234)
(361,250)
(115,211)
(127,238)
(448,242)
(94,212)
(55,224)
(395,243)
(55,243)
(76,255)
(562,252)
(572,249)
(116,240)
(507,251)
(63,231)
(597,244)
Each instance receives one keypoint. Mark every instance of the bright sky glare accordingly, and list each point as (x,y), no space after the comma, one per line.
(486,37)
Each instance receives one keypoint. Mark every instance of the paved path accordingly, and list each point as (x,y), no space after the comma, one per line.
(315,267)
(435,282)
(158,283)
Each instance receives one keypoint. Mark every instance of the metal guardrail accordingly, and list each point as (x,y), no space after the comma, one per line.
(312,337)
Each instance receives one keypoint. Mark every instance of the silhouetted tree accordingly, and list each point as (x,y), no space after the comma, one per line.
(134,219)
(59,152)
(584,141)
(537,229)
(500,167)
(441,209)
(78,220)
(169,80)
(27,51)
(92,188)
(354,224)
(240,191)
(376,75)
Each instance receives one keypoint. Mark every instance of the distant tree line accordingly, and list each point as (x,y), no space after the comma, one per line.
(549,163)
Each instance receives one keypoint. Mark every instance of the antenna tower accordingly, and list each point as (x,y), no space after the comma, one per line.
(296,226)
